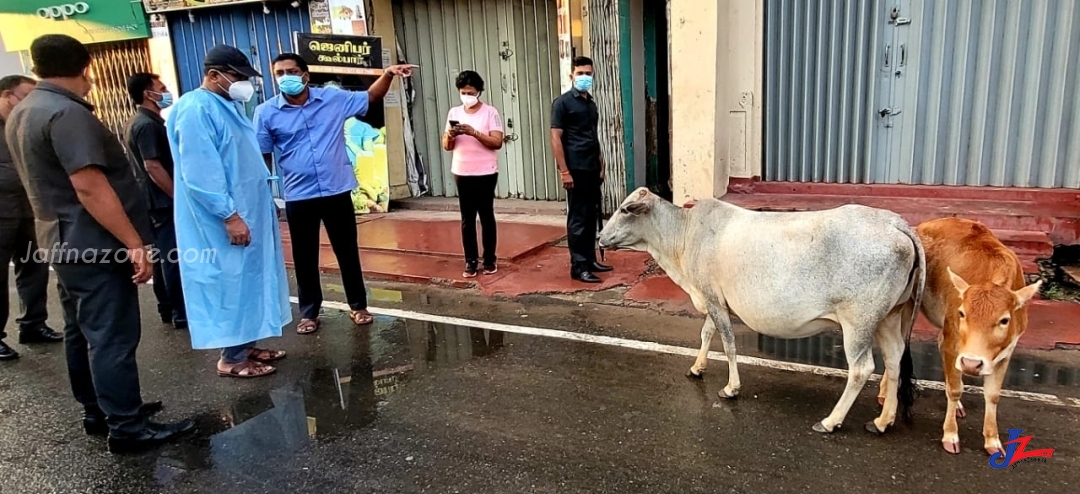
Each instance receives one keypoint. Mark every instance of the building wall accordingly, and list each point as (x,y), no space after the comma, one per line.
(10,63)
(716,87)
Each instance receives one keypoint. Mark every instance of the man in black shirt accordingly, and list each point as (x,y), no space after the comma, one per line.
(17,243)
(91,222)
(574,120)
(148,146)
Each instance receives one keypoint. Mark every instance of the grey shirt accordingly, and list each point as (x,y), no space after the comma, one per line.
(13,200)
(53,133)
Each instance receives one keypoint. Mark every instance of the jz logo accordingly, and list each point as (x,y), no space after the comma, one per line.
(1015,451)
(63,11)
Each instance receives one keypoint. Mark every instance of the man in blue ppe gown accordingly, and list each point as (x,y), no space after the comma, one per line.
(231,260)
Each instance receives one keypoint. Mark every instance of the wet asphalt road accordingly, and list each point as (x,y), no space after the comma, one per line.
(408,407)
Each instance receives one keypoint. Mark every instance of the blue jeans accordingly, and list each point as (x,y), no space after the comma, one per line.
(236,354)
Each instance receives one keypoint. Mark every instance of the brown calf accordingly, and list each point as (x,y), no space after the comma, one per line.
(975,292)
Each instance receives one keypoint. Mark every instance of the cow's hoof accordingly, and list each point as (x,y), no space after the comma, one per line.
(872,427)
(723,393)
(993,451)
(952,447)
(690,374)
(819,427)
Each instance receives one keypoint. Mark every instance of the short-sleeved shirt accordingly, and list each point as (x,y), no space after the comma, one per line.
(576,114)
(472,157)
(146,139)
(310,141)
(13,200)
(53,134)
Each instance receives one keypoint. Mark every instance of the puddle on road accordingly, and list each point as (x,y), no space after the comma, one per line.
(366,368)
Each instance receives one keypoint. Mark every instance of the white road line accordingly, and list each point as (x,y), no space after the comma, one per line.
(649,346)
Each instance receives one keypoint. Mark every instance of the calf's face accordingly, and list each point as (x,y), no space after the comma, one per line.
(624,229)
(987,323)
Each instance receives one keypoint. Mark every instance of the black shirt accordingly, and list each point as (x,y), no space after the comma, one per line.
(52,134)
(146,140)
(575,113)
(13,200)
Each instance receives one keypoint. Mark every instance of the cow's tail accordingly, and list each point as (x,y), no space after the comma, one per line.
(907,390)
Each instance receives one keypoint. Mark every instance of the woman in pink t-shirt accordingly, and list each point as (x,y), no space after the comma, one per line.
(474,133)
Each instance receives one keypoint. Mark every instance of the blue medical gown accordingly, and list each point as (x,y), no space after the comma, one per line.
(233,294)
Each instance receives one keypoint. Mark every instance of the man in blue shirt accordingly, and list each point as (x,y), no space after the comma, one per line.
(305,126)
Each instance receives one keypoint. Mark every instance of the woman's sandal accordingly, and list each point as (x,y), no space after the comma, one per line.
(308,326)
(361,317)
(265,356)
(247,370)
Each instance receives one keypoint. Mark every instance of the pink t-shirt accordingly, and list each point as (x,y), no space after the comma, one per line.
(471,157)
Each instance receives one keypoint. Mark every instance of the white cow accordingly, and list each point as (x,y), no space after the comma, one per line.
(790,275)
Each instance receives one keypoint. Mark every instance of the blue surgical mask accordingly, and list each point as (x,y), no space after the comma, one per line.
(291,85)
(166,100)
(583,83)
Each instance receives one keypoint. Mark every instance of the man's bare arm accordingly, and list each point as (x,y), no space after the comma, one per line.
(269,159)
(101,201)
(159,176)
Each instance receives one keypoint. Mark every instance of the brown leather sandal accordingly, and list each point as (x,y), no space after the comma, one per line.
(246,370)
(308,326)
(361,317)
(265,356)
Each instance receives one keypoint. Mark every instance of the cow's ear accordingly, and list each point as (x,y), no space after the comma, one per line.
(1025,294)
(958,282)
(638,208)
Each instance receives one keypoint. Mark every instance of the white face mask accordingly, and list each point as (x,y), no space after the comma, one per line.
(469,100)
(241,91)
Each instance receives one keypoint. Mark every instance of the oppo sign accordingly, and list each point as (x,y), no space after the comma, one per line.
(63,11)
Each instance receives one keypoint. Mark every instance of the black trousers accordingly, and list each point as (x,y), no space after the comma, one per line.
(582,206)
(304,218)
(476,197)
(167,287)
(101,334)
(17,245)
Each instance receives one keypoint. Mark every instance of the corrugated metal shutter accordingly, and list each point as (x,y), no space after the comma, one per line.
(980,92)
(112,64)
(822,68)
(261,36)
(604,39)
(512,44)
(992,93)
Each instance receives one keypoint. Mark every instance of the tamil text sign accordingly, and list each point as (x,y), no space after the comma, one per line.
(341,54)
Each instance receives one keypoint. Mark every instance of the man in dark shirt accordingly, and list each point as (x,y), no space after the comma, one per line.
(148,147)
(574,120)
(17,243)
(91,224)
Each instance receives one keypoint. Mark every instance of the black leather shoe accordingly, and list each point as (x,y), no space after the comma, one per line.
(599,268)
(587,277)
(94,422)
(153,436)
(6,352)
(43,334)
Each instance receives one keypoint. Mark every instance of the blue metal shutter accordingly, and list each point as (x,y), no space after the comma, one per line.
(261,36)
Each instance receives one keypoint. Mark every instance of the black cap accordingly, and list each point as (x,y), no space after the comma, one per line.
(228,56)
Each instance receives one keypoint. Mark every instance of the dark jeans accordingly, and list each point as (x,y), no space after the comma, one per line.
(167,287)
(101,310)
(236,354)
(17,245)
(304,218)
(476,196)
(583,202)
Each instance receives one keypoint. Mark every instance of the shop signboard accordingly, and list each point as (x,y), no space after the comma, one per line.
(89,21)
(153,6)
(340,54)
